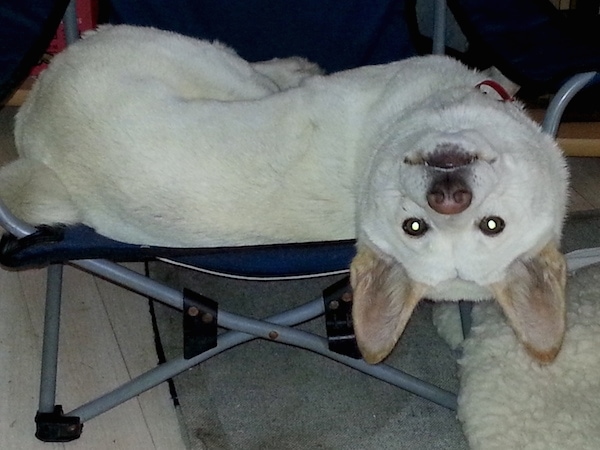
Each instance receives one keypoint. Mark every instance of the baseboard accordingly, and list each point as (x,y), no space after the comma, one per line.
(21,94)
(580,147)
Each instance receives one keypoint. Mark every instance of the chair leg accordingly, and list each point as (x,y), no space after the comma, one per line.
(439,27)
(562,98)
(553,117)
(51,424)
(54,426)
(50,343)
(70,24)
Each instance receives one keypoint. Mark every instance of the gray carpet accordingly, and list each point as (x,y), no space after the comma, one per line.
(263,395)
(582,230)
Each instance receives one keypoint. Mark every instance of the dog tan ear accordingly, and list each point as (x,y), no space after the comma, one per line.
(384,299)
(533,299)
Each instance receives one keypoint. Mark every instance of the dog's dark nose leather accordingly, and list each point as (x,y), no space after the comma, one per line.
(449,194)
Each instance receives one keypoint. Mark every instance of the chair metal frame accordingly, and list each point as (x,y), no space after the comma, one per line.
(55,425)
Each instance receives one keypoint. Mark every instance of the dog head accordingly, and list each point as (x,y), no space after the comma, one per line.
(463,201)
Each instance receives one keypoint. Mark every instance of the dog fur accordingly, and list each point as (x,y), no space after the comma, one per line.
(154,138)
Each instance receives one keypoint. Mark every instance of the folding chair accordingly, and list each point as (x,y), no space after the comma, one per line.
(25,246)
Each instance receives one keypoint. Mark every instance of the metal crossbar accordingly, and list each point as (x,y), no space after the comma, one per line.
(277,328)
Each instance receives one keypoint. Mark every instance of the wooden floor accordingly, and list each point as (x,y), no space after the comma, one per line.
(106,340)
(585,183)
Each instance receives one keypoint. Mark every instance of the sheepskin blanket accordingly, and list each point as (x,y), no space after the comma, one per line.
(506,400)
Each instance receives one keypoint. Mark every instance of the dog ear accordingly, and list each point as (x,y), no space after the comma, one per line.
(533,299)
(384,299)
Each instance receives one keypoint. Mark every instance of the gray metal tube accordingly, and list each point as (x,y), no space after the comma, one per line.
(131,280)
(170,369)
(71,23)
(439,28)
(13,224)
(50,340)
(562,98)
(275,329)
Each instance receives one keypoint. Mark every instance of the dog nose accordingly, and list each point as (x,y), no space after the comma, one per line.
(449,194)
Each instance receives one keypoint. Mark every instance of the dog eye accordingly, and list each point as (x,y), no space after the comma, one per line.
(415,227)
(491,225)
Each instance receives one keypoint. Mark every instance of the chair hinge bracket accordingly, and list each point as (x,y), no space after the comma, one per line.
(338,319)
(200,315)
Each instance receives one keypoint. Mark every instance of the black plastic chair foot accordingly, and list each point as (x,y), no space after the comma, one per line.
(56,427)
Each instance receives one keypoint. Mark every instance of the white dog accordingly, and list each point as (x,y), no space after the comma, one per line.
(155,138)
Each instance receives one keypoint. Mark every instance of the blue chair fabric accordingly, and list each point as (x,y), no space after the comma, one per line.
(336,35)
(52,245)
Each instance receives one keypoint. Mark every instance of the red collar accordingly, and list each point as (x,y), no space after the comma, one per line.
(504,96)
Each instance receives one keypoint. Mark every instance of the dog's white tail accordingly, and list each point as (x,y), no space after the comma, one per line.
(34,193)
